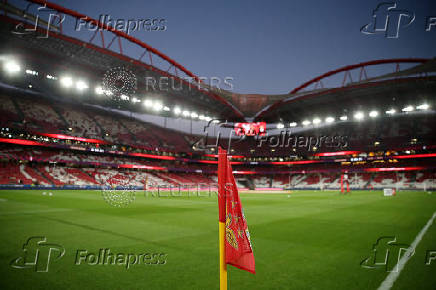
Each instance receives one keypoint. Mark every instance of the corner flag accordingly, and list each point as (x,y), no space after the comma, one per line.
(235,244)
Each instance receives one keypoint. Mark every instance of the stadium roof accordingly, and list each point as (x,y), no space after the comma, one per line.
(64,54)
(59,53)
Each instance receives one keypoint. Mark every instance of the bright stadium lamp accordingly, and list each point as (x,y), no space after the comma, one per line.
(148,103)
(166,109)
(81,85)
(99,91)
(423,107)
(31,72)
(306,123)
(293,124)
(280,126)
(177,110)
(12,67)
(316,121)
(408,109)
(186,113)
(359,116)
(66,82)
(194,115)
(135,100)
(201,117)
(157,106)
(343,118)
(390,111)
(124,97)
(373,114)
(207,119)
(329,120)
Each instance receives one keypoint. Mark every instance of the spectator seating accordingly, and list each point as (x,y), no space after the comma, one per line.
(40,116)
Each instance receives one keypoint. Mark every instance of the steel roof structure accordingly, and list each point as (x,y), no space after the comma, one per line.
(104,50)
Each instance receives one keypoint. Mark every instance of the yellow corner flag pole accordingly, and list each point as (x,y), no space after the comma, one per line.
(222,166)
(223,265)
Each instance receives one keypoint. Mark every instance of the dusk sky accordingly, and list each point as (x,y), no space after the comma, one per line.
(269,47)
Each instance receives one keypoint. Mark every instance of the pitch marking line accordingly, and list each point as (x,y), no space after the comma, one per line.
(392,277)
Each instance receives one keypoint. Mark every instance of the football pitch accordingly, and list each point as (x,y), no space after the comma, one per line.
(301,240)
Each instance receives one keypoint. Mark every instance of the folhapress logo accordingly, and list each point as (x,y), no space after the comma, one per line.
(387,20)
(386,253)
(38,254)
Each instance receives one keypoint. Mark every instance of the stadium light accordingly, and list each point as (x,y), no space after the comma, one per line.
(81,85)
(306,122)
(423,107)
(157,106)
(99,91)
(186,113)
(408,109)
(148,103)
(207,119)
(329,120)
(50,77)
(343,118)
(373,114)
(194,115)
(31,72)
(124,97)
(201,117)
(359,116)
(67,82)
(390,111)
(166,109)
(316,121)
(293,124)
(280,126)
(12,67)
(135,100)
(177,110)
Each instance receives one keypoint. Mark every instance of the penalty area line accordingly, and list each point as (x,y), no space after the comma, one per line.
(392,277)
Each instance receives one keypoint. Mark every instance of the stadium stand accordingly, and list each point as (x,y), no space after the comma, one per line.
(8,112)
(39,116)
(80,123)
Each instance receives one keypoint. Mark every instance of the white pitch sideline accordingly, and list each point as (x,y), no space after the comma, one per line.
(392,277)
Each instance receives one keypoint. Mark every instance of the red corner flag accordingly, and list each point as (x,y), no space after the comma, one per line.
(238,250)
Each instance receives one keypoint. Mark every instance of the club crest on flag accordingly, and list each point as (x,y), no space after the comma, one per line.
(230,235)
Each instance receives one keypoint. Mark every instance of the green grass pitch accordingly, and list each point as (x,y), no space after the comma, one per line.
(309,240)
